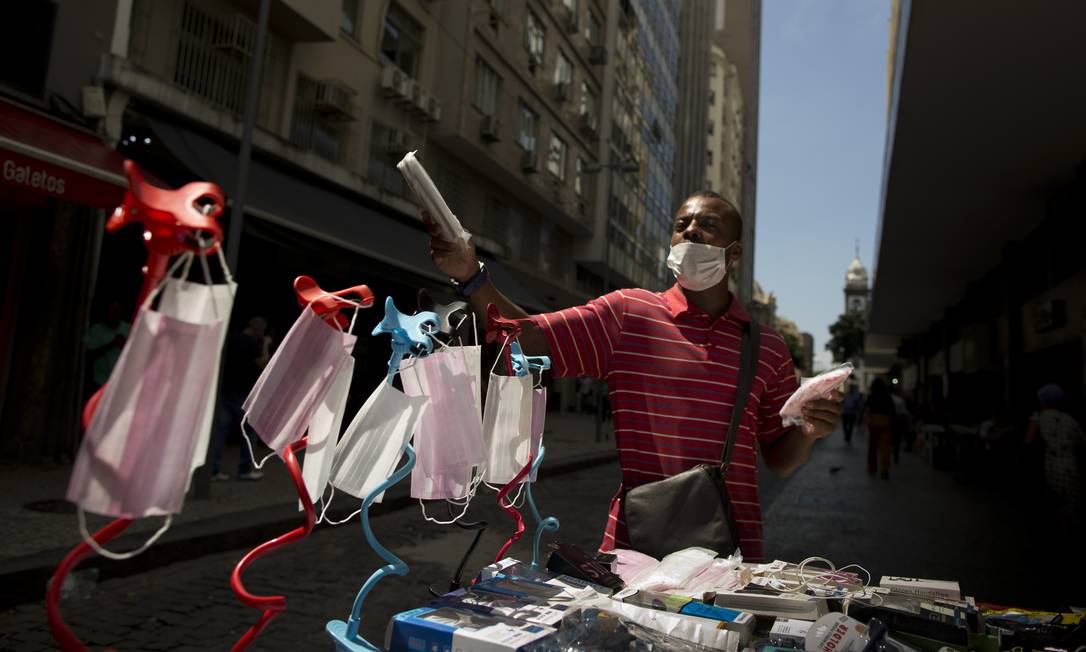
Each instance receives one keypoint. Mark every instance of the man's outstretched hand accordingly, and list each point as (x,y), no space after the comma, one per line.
(454,258)
(820,416)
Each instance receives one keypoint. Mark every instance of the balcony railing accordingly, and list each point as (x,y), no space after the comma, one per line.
(206,50)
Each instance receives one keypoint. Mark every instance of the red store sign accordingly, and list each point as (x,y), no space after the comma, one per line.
(43,156)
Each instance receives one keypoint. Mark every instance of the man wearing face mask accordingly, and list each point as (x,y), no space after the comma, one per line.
(671,360)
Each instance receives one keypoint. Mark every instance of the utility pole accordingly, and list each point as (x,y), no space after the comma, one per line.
(202,477)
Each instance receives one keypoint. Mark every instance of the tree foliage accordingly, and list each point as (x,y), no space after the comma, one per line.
(795,347)
(847,336)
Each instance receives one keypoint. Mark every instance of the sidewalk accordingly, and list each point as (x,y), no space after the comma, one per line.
(996,539)
(238,513)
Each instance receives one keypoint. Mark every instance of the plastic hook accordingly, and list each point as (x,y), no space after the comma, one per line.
(325,303)
(549,524)
(409,337)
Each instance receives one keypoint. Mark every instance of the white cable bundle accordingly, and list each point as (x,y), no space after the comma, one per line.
(431,200)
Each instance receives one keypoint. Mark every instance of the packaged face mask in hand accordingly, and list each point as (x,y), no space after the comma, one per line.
(811,389)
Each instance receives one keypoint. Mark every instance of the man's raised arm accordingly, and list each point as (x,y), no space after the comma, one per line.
(457,260)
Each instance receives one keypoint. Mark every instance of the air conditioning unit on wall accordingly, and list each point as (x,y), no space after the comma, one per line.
(490,129)
(334,97)
(394,82)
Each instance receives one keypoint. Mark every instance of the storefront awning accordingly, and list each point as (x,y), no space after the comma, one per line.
(296,203)
(45,156)
(986,117)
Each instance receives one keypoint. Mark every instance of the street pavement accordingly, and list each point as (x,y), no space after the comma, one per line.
(917,523)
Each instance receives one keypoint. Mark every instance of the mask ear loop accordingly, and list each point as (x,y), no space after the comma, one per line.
(183,258)
(207,277)
(249,445)
(328,521)
(185,270)
(119,556)
(473,487)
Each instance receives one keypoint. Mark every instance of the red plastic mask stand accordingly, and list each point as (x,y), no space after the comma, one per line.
(503,331)
(174,221)
(329,308)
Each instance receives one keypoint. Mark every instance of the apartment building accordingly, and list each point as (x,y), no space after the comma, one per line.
(507,104)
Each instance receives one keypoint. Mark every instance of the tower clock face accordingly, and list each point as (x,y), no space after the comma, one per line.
(856,303)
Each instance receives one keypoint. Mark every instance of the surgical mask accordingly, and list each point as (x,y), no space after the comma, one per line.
(449,437)
(200,303)
(136,458)
(323,434)
(539,415)
(296,380)
(375,440)
(507,425)
(698,266)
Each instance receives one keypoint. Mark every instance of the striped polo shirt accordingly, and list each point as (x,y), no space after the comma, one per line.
(672,375)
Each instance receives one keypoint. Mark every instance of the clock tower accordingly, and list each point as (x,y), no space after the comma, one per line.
(857,292)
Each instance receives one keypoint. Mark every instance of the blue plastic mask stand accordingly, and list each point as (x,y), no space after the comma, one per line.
(550,524)
(409,338)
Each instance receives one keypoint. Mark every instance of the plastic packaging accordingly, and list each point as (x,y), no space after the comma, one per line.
(676,570)
(431,200)
(595,630)
(719,575)
(631,565)
(810,389)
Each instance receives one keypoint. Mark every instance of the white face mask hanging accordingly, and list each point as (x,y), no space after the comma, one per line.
(375,440)
(323,435)
(201,303)
(507,424)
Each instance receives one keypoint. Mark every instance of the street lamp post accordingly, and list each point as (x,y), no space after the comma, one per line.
(626,166)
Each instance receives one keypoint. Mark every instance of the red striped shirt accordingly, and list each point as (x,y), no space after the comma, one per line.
(672,376)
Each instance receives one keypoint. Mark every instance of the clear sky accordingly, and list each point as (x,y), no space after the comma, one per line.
(822,127)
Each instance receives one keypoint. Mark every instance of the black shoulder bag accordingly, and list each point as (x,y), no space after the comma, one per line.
(692,508)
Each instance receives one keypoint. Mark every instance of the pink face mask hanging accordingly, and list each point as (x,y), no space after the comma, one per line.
(449,437)
(136,458)
(296,380)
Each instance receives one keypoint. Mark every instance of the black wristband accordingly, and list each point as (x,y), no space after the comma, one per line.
(469,287)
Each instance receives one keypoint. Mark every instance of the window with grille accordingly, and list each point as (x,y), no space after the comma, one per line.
(348,20)
(563,70)
(556,158)
(311,130)
(529,125)
(401,43)
(488,88)
(593,31)
(534,35)
(588,102)
(384,153)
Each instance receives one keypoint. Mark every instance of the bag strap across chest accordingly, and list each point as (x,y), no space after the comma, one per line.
(748,366)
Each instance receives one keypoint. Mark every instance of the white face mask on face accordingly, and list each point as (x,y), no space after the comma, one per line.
(698,266)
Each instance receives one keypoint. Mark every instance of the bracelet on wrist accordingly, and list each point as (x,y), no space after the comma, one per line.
(470,286)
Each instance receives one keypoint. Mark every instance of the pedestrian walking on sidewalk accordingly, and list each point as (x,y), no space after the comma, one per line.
(247,353)
(850,410)
(672,364)
(902,423)
(105,341)
(879,414)
(1064,447)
